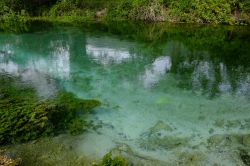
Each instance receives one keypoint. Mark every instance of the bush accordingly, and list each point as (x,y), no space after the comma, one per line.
(149,10)
(63,8)
(13,22)
(209,11)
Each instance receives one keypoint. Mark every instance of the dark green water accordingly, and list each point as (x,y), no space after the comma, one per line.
(171,95)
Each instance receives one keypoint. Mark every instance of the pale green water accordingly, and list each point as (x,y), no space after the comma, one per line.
(167,93)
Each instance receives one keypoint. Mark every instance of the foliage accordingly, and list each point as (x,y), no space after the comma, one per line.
(24,118)
(150,10)
(209,11)
(63,8)
(13,22)
(68,11)
(198,11)
(32,6)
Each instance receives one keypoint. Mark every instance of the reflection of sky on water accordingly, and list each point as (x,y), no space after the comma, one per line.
(107,56)
(156,70)
(58,63)
(6,49)
(243,86)
(44,86)
(224,85)
(38,70)
(204,71)
(108,50)
(203,74)
(9,67)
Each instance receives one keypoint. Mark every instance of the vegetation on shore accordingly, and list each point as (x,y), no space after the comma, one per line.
(189,11)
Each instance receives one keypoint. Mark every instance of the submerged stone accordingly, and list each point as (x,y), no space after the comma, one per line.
(158,137)
(229,140)
(167,142)
(191,158)
(160,129)
(45,152)
(160,125)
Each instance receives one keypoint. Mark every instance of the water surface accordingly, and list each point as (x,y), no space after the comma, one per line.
(171,95)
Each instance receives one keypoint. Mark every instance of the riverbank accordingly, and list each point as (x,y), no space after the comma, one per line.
(171,11)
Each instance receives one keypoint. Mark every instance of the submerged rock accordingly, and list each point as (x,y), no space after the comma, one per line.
(158,137)
(46,152)
(160,125)
(229,140)
(132,157)
(191,158)
(159,129)
(167,142)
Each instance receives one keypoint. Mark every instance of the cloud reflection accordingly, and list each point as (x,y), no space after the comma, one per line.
(108,50)
(156,70)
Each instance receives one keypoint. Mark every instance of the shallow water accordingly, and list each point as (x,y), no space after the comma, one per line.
(171,95)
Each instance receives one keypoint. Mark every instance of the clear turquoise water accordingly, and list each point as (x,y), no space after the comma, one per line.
(164,97)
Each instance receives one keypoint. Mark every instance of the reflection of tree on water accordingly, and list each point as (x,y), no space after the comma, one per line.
(199,70)
(206,60)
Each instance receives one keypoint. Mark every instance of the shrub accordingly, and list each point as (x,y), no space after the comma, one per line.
(209,11)
(149,10)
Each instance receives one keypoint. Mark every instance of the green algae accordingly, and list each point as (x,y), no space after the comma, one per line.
(245,157)
(107,160)
(24,117)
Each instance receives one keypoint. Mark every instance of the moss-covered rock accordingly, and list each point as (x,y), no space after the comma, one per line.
(24,117)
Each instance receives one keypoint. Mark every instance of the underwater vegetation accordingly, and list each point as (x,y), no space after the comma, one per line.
(107,160)
(245,157)
(24,117)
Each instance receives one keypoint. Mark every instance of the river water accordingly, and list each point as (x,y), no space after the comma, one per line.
(171,94)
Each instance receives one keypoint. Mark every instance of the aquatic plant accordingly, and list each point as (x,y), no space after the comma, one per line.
(245,157)
(107,160)
(24,118)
